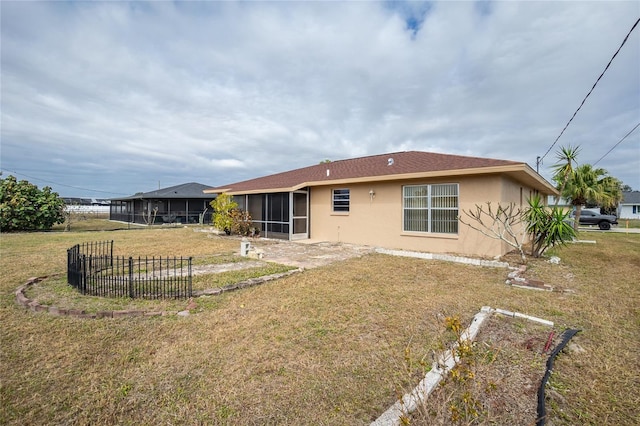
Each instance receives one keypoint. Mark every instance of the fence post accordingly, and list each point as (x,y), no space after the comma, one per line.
(131,277)
(190,290)
(69,266)
(83,268)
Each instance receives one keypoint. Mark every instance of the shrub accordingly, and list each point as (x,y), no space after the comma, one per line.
(24,207)
(223,207)
(241,223)
(547,227)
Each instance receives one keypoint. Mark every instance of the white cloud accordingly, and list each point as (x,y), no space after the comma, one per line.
(230,91)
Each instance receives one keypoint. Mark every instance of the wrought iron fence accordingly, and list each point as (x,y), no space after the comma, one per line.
(94,270)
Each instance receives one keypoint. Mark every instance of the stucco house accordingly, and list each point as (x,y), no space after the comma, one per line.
(629,207)
(403,200)
(183,203)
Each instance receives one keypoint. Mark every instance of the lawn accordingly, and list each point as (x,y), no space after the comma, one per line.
(326,346)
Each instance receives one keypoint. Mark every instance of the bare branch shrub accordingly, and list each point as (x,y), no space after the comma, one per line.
(504,223)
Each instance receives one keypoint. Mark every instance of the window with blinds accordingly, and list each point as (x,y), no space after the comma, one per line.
(341,199)
(430,208)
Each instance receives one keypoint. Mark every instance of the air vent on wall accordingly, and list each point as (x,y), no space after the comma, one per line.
(390,162)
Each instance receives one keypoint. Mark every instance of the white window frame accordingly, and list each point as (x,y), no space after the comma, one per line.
(427,206)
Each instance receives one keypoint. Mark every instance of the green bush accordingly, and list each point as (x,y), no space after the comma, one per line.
(24,207)
(222,206)
(548,227)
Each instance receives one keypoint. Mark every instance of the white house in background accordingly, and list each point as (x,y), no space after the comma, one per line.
(630,205)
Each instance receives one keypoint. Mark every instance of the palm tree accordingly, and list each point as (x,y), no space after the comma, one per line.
(588,185)
(562,170)
(614,187)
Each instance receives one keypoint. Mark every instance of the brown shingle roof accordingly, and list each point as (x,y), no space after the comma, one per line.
(374,167)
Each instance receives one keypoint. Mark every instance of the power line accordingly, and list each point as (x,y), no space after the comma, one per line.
(619,142)
(593,87)
(62,184)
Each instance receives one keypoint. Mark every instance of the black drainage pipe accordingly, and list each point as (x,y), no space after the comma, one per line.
(542,410)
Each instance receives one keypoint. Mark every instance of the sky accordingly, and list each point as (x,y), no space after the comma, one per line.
(106,99)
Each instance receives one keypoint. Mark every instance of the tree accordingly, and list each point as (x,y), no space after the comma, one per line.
(564,167)
(24,207)
(504,224)
(588,185)
(222,206)
(545,227)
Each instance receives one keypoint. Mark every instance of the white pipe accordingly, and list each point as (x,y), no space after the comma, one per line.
(528,317)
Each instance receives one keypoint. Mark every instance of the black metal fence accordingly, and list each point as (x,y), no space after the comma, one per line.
(94,270)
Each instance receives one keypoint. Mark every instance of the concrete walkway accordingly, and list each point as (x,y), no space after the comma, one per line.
(620,229)
(308,253)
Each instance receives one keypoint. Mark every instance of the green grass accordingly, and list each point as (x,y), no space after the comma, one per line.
(325,346)
(628,223)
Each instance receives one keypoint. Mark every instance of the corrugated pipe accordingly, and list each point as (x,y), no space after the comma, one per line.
(542,410)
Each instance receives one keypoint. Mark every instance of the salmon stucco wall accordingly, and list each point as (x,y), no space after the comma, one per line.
(375,216)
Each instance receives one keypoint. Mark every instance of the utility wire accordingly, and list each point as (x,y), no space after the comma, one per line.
(619,142)
(62,184)
(593,87)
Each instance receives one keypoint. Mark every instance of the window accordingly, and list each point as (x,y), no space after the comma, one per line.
(431,208)
(340,200)
(636,209)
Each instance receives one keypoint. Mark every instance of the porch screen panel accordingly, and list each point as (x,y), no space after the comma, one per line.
(255,206)
(299,204)
(239,200)
(300,226)
(278,207)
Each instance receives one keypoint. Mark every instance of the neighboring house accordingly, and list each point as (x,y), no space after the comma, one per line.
(177,204)
(562,203)
(76,201)
(404,200)
(630,205)
(86,205)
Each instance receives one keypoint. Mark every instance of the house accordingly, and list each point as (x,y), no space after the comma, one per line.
(403,200)
(86,205)
(183,203)
(629,207)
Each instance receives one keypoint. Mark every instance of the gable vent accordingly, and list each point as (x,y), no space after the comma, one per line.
(390,162)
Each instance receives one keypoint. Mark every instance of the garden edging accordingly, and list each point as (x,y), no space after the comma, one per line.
(35,306)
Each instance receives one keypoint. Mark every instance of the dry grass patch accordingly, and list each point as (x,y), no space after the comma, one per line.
(326,346)
(497,381)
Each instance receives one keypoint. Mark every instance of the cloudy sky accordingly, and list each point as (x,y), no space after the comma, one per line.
(103,99)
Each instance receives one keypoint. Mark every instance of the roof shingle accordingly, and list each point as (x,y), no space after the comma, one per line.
(185,190)
(397,163)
